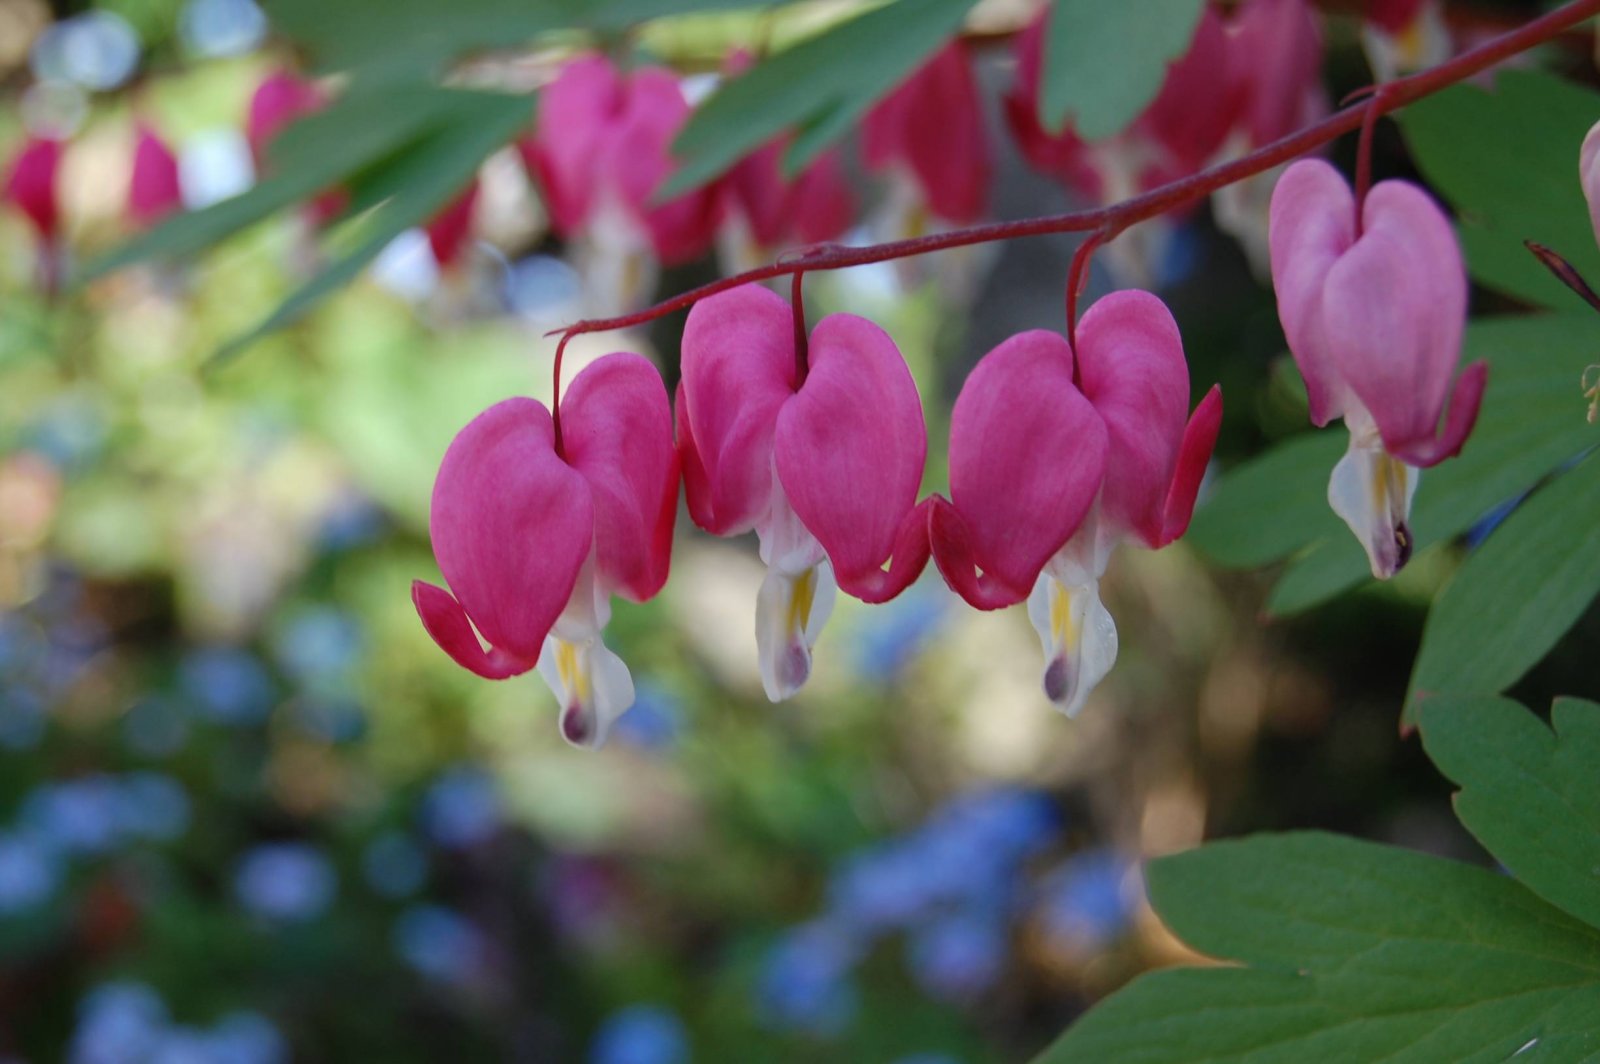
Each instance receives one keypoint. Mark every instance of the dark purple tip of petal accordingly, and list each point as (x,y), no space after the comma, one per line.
(1404,544)
(795,669)
(577,725)
(1056,680)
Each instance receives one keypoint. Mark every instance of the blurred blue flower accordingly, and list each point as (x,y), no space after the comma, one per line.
(154,806)
(654,719)
(1181,253)
(21,645)
(336,719)
(805,983)
(29,873)
(1089,900)
(248,1038)
(395,866)
(461,809)
(955,958)
(882,888)
(641,1034)
(81,816)
(183,1045)
(214,28)
(230,685)
(22,717)
(1018,823)
(1492,520)
(155,727)
(285,881)
(439,944)
(353,520)
(118,1023)
(319,647)
(890,637)
(69,431)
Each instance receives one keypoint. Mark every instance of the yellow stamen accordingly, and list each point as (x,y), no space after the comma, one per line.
(800,602)
(1061,622)
(574,679)
(1389,485)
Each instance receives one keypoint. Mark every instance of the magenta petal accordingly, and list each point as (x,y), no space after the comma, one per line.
(577,113)
(1589,175)
(31,184)
(511,525)
(1194,111)
(1131,367)
(933,124)
(1275,63)
(153,190)
(1194,454)
(738,370)
(850,449)
(1458,423)
(821,201)
(1063,156)
(1395,306)
(447,623)
(449,230)
(281,98)
(637,160)
(950,542)
(616,430)
(1312,223)
(1027,456)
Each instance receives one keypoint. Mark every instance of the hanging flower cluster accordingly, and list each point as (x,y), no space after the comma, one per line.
(816,442)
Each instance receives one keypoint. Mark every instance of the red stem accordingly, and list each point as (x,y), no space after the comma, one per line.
(798,300)
(1078,277)
(555,393)
(1375,109)
(1118,216)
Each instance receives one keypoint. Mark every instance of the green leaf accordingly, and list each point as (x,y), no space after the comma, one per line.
(1508,161)
(1272,505)
(1530,794)
(1531,422)
(409,189)
(1104,63)
(1360,952)
(822,84)
(360,131)
(1516,595)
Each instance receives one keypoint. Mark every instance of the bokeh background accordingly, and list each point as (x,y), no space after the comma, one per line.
(250,813)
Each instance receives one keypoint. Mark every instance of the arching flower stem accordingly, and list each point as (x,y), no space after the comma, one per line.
(797,300)
(1118,216)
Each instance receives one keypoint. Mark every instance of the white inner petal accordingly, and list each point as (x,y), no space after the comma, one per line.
(790,612)
(591,684)
(1372,491)
(1078,636)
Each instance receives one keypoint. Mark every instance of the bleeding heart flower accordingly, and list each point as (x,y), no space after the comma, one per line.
(280,99)
(1374,309)
(1589,175)
(1402,36)
(153,188)
(930,130)
(1275,74)
(534,539)
(1047,475)
(823,462)
(31,186)
(1178,134)
(450,229)
(599,152)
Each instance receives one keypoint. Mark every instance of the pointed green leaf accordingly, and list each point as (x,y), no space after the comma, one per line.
(1530,794)
(1104,63)
(821,84)
(1360,952)
(1515,595)
(1507,160)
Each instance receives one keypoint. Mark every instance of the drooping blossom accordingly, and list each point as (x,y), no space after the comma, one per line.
(766,212)
(599,152)
(1056,456)
(534,538)
(282,98)
(1373,305)
(1589,176)
(929,133)
(1178,134)
(449,230)
(1275,76)
(823,461)
(153,186)
(32,188)
(1404,36)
